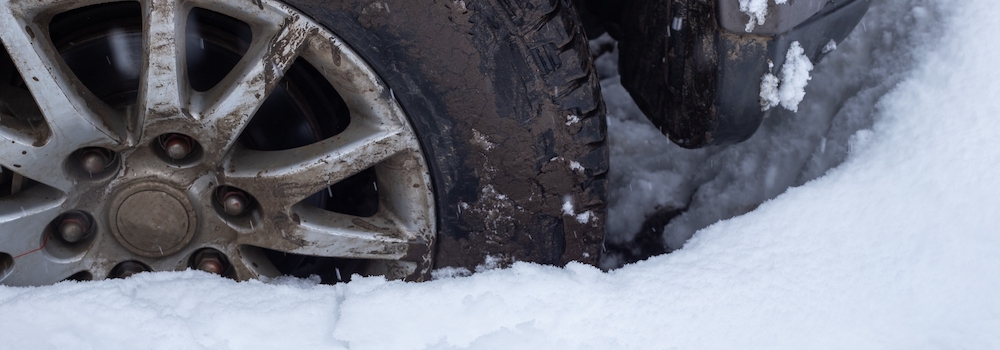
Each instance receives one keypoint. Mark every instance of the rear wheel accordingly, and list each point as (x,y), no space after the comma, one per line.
(309,138)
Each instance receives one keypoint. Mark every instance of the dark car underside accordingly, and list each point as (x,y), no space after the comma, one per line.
(694,67)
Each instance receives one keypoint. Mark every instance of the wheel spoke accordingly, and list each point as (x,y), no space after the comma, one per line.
(36,269)
(74,115)
(160,93)
(322,233)
(23,219)
(251,263)
(36,163)
(242,92)
(177,152)
(280,179)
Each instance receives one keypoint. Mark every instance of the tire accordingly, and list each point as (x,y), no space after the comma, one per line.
(384,138)
(505,100)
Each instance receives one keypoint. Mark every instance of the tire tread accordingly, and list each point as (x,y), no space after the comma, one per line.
(556,43)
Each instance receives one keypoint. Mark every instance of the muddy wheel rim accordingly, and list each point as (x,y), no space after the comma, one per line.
(156,183)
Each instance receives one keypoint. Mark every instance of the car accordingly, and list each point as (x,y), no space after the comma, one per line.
(315,137)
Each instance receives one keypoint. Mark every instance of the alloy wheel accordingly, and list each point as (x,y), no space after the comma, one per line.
(176,159)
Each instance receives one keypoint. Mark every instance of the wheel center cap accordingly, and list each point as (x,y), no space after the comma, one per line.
(152,219)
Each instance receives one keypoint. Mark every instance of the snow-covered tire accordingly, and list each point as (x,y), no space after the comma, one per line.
(507,106)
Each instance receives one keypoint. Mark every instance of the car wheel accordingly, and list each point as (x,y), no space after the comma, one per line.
(302,138)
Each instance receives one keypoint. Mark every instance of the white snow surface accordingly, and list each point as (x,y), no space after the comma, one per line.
(895,247)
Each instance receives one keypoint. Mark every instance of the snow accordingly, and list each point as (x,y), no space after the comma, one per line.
(572,119)
(651,174)
(829,47)
(568,210)
(480,140)
(757,11)
(882,236)
(567,207)
(790,88)
(576,166)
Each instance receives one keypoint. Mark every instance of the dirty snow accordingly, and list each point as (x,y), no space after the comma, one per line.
(789,89)
(887,238)
(757,11)
(480,140)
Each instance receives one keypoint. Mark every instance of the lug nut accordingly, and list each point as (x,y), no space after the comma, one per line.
(210,266)
(73,226)
(211,261)
(89,162)
(235,202)
(178,146)
(128,268)
(94,161)
(72,229)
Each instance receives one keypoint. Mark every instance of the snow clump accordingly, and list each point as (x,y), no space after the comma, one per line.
(757,11)
(568,210)
(790,88)
(830,46)
(572,119)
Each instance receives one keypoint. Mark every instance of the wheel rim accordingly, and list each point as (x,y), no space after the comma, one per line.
(201,175)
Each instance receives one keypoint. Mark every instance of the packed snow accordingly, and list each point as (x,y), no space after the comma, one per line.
(867,220)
